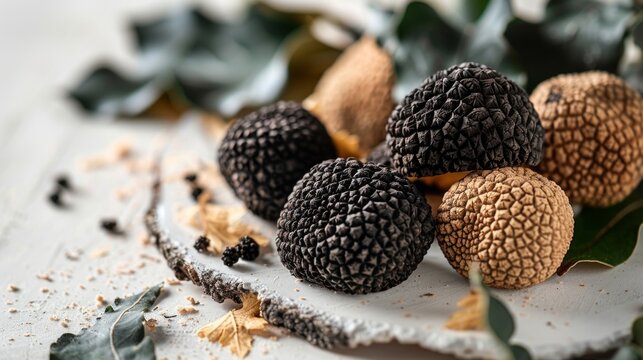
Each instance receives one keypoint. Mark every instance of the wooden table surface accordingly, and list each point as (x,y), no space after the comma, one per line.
(45,47)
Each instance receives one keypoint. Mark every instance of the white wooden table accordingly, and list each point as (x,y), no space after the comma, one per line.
(45,46)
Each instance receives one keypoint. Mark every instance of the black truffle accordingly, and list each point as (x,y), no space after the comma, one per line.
(380,155)
(264,154)
(354,227)
(468,117)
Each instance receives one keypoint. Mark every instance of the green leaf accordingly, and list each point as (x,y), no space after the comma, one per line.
(574,36)
(637,331)
(628,352)
(487,45)
(230,66)
(118,334)
(423,44)
(606,235)
(633,350)
(214,65)
(469,11)
(632,73)
(637,31)
(498,319)
(105,91)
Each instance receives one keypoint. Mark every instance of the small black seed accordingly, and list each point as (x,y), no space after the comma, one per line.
(196,192)
(56,198)
(230,256)
(248,248)
(201,244)
(63,182)
(110,226)
(191,177)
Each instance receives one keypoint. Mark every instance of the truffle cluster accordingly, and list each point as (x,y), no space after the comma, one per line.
(354,227)
(516,224)
(593,136)
(468,117)
(264,154)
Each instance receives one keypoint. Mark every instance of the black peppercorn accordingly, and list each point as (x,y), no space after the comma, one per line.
(56,198)
(201,244)
(230,256)
(248,248)
(111,226)
(191,177)
(196,192)
(63,182)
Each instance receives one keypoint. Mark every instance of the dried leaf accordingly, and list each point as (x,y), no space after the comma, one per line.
(481,310)
(220,224)
(235,329)
(470,313)
(347,144)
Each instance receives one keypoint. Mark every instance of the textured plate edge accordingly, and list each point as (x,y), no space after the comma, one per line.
(330,331)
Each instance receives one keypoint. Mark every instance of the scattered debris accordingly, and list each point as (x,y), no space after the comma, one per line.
(99,253)
(73,255)
(192,300)
(100,301)
(45,277)
(184,310)
(144,239)
(172,281)
(117,152)
(150,324)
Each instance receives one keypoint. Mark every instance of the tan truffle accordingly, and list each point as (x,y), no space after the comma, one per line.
(516,224)
(593,136)
(355,93)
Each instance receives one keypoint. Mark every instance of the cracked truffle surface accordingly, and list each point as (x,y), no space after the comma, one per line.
(354,227)
(264,154)
(593,136)
(468,117)
(515,223)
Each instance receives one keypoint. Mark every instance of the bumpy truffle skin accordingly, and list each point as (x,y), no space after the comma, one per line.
(593,136)
(264,154)
(515,223)
(380,155)
(355,94)
(468,117)
(354,227)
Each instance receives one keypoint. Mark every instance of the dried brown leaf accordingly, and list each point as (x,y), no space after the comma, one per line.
(470,313)
(235,329)
(219,224)
(346,144)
